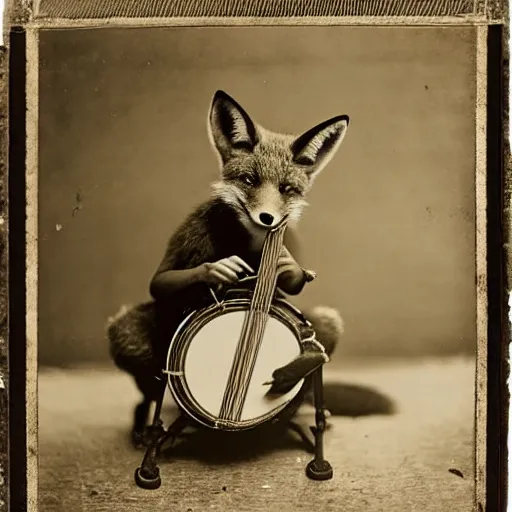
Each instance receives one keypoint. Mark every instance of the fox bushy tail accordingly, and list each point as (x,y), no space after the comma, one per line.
(328,326)
(131,330)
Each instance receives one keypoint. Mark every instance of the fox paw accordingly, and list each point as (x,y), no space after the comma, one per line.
(140,438)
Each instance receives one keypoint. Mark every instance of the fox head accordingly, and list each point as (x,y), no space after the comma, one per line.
(266,176)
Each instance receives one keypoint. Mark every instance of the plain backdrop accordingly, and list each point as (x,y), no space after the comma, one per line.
(124,155)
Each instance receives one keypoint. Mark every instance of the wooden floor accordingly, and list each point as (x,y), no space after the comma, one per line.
(383,460)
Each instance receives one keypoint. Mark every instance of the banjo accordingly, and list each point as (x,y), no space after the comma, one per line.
(222,359)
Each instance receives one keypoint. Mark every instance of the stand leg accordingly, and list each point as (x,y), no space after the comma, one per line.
(319,468)
(173,431)
(147,475)
(300,431)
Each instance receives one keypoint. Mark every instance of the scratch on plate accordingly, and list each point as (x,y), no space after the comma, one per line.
(78,205)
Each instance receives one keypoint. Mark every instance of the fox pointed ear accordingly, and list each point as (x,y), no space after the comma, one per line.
(317,146)
(230,127)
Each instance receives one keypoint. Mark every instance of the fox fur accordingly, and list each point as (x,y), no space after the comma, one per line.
(264,177)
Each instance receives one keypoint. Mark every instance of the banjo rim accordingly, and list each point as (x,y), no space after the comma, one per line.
(280,310)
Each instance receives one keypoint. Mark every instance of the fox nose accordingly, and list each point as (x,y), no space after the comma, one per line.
(266,218)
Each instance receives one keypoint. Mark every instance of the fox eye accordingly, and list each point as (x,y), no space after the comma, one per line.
(250,180)
(287,189)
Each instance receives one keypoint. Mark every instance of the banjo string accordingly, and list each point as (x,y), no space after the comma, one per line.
(236,371)
(252,329)
(261,309)
(234,377)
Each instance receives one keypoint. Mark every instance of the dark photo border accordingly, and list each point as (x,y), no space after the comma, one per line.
(13,404)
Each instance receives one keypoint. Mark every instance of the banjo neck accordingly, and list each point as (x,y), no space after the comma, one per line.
(253,327)
(267,273)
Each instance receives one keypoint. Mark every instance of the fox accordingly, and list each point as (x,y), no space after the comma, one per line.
(265,176)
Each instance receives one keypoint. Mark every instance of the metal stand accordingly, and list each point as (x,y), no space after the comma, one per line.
(147,476)
(319,468)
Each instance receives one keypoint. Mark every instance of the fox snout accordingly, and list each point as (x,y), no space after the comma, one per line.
(266,219)
(265,205)
(261,204)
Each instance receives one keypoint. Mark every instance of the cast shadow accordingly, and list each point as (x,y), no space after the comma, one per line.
(354,400)
(213,447)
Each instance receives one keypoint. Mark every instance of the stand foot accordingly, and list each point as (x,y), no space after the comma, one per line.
(319,470)
(148,481)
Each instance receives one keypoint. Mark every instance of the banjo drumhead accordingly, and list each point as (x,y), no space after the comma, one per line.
(210,355)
